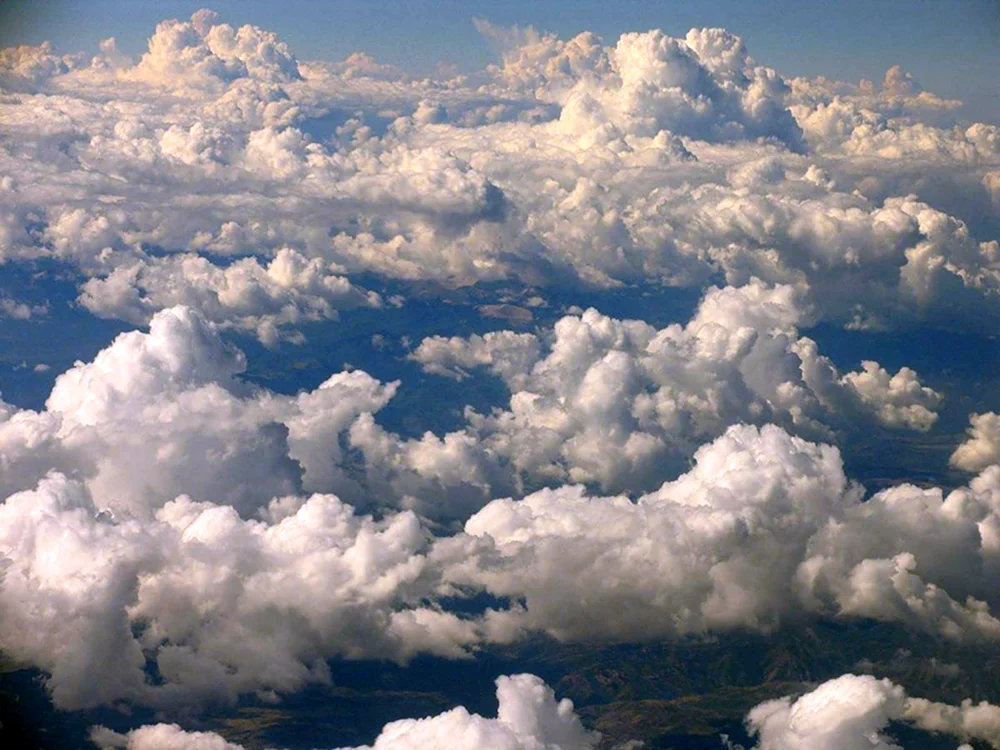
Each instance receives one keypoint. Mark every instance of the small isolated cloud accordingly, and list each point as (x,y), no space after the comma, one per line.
(621,403)
(854,712)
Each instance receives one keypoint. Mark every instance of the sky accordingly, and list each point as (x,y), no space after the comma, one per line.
(505,376)
(948,47)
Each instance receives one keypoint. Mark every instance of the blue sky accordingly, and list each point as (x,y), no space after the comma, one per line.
(950,47)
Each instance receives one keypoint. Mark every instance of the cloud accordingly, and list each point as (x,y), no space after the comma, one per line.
(704,85)
(201,52)
(850,712)
(528,718)
(982,448)
(765,529)
(623,404)
(854,712)
(166,517)
(177,498)
(164,413)
(160,737)
(656,159)
(217,604)
(12,308)
(25,66)
(263,299)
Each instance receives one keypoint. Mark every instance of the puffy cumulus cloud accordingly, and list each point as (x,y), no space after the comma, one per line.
(153,471)
(542,62)
(247,295)
(968,721)
(854,712)
(982,448)
(159,737)
(655,159)
(214,605)
(763,530)
(896,120)
(623,404)
(850,712)
(202,52)
(163,413)
(528,718)
(444,478)
(978,142)
(25,66)
(898,94)
(705,85)
(912,260)
(898,400)
(636,209)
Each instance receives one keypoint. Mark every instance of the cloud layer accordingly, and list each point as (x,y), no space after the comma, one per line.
(173,535)
(655,159)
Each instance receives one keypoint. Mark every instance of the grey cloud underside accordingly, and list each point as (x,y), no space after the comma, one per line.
(656,159)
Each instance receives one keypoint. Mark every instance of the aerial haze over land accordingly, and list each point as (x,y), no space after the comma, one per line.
(521,389)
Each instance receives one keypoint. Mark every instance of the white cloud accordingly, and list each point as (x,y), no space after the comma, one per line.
(640,161)
(219,184)
(154,469)
(160,737)
(624,404)
(854,712)
(897,400)
(528,718)
(850,712)
(263,299)
(763,530)
(220,605)
(163,413)
(201,52)
(982,448)
(25,66)
(12,308)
